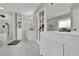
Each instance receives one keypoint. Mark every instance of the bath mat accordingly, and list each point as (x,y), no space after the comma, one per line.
(15,42)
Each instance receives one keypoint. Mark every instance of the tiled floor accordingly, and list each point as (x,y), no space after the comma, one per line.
(24,48)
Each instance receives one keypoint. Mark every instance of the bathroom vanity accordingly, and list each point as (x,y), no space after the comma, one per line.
(54,43)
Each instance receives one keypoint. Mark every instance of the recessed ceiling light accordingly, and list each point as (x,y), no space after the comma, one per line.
(1,8)
(51,3)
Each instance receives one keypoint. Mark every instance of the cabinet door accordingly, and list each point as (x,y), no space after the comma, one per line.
(43,46)
(54,48)
(71,51)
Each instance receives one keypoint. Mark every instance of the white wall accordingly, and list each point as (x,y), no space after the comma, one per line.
(53,24)
(54,21)
(75,17)
(56,12)
(58,9)
(3,21)
(10,19)
(28,24)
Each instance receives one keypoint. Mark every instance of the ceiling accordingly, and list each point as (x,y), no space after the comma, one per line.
(23,8)
(58,9)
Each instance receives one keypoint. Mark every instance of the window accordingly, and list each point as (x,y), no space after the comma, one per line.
(66,23)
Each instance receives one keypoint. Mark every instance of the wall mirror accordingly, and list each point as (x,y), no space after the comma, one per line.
(64,25)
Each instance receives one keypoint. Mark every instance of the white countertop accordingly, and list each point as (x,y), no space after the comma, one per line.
(73,33)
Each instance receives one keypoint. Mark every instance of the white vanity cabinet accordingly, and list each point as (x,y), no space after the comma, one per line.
(43,46)
(54,48)
(71,51)
(50,47)
(59,44)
